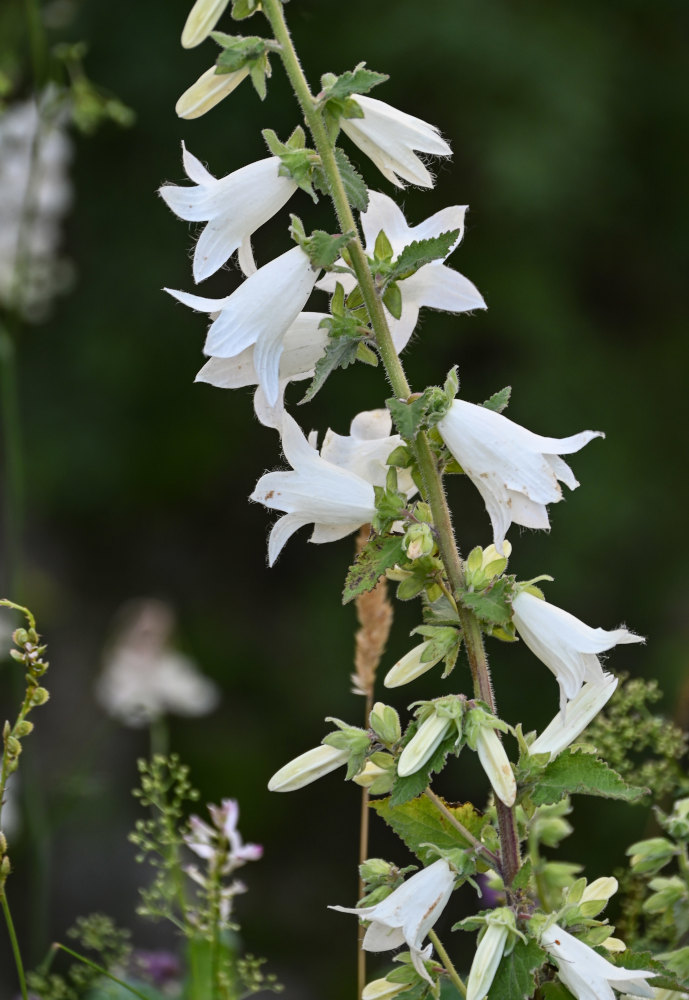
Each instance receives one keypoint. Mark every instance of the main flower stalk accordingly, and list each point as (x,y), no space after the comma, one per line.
(435,493)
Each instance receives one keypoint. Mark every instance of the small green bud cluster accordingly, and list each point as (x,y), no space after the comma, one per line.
(380,878)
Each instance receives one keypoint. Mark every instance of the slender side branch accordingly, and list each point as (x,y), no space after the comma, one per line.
(15,944)
(491,859)
(447,962)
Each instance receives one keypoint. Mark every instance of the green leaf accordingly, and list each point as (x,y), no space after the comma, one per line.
(418,413)
(323,248)
(499,400)
(237,51)
(339,353)
(354,183)
(375,557)
(244,8)
(392,299)
(419,823)
(422,252)
(555,991)
(494,604)
(523,877)
(358,81)
(664,979)
(576,772)
(516,975)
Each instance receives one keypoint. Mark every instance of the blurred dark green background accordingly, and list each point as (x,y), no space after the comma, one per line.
(568,123)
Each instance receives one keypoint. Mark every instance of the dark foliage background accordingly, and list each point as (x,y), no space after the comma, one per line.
(568,125)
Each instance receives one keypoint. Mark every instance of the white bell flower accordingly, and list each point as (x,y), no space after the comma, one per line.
(587,974)
(434,285)
(389,137)
(202,19)
(302,346)
(233,207)
(566,645)
(334,499)
(365,449)
(307,767)
(210,89)
(581,711)
(259,312)
(407,914)
(515,471)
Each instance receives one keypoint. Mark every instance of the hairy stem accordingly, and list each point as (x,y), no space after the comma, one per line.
(447,962)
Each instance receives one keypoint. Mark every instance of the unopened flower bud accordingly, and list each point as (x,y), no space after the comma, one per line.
(3,843)
(385,723)
(209,90)
(649,856)
(23,728)
(5,868)
(20,636)
(411,666)
(423,744)
(14,747)
(375,868)
(382,989)
(496,764)
(307,767)
(203,17)
(418,541)
(379,780)
(489,953)
(40,696)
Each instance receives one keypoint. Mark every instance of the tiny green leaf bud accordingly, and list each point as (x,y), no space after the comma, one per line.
(40,696)
(385,723)
(20,636)
(375,868)
(23,728)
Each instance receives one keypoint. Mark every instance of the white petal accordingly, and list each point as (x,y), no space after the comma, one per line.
(281,532)
(202,18)
(195,169)
(307,767)
(207,91)
(384,213)
(581,711)
(198,302)
(495,763)
(439,287)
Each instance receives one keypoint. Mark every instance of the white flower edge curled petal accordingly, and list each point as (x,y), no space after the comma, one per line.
(233,207)
(581,711)
(587,974)
(515,471)
(307,767)
(566,645)
(389,137)
(407,914)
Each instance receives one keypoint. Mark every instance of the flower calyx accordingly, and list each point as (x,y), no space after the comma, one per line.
(441,642)
(438,721)
(336,101)
(421,412)
(245,53)
(296,159)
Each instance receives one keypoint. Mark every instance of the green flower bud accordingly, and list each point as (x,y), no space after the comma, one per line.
(40,696)
(379,780)
(23,728)
(423,744)
(418,541)
(382,989)
(20,636)
(375,868)
(385,723)
(650,855)
(3,844)
(667,892)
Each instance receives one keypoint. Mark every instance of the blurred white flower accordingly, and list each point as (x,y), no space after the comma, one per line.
(202,19)
(259,313)
(222,840)
(515,471)
(35,152)
(433,285)
(407,914)
(207,91)
(587,974)
(233,207)
(303,344)
(581,711)
(143,678)
(566,645)
(11,810)
(389,137)
(332,490)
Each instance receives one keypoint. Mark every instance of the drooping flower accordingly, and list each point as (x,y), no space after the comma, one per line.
(144,678)
(587,974)
(581,711)
(365,449)
(328,489)
(259,313)
(233,207)
(407,914)
(389,137)
(308,767)
(203,17)
(207,91)
(303,344)
(500,925)
(496,764)
(566,645)
(434,285)
(515,471)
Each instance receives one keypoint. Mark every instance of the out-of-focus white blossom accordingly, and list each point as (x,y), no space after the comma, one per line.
(389,138)
(35,152)
(434,285)
(143,678)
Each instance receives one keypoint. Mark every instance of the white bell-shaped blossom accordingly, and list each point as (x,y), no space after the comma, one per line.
(329,490)
(407,914)
(586,974)
(207,91)
(434,285)
(389,137)
(202,19)
(366,448)
(144,678)
(581,711)
(308,767)
(233,207)
(515,471)
(566,645)
(259,313)
(303,344)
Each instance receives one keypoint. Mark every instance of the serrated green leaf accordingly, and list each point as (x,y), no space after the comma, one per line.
(419,822)
(422,252)
(375,557)
(574,772)
(237,51)
(492,605)
(663,979)
(357,81)
(499,400)
(366,354)
(516,975)
(339,353)
(556,991)
(354,183)
(406,789)
(420,413)
(324,248)
(523,877)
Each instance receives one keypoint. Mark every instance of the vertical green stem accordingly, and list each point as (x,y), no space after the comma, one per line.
(400,386)
(447,962)
(15,944)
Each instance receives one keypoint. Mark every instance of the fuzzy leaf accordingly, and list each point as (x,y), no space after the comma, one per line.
(494,604)
(375,557)
(339,353)
(516,975)
(664,980)
(237,51)
(324,249)
(422,252)
(577,772)
(419,822)
(354,183)
(244,8)
(423,412)
(499,400)
(358,81)
(406,789)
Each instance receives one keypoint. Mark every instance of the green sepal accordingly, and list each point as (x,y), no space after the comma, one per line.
(420,252)
(357,81)
(367,355)
(494,604)
(392,299)
(239,52)
(443,643)
(515,978)
(499,400)
(244,8)
(383,248)
(556,991)
(575,772)
(390,507)
(323,248)
(418,413)
(376,556)
(296,161)
(339,353)
(421,825)
(401,457)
